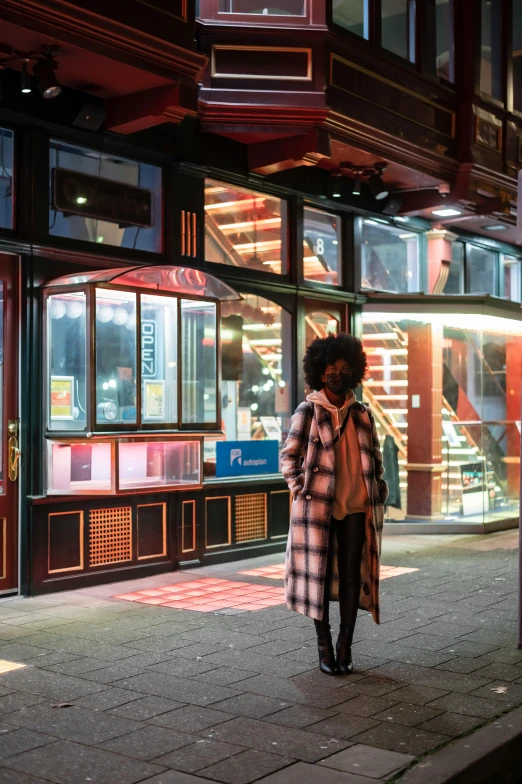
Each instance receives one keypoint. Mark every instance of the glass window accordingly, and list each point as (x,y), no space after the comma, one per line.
(322,246)
(444,39)
(320,325)
(199,362)
(67,392)
(244,228)
(389,258)
(6,178)
(256,387)
(79,468)
(517,55)
(274,8)
(158,464)
(113,201)
(159,358)
(455,281)
(481,271)
(397,28)
(115,357)
(511,279)
(352,15)
(491,66)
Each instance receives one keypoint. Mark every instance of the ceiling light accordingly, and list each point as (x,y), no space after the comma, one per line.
(25,79)
(377,188)
(495,227)
(81,200)
(357,185)
(336,186)
(446,212)
(44,70)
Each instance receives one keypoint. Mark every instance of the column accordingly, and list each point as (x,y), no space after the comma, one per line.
(440,243)
(513,376)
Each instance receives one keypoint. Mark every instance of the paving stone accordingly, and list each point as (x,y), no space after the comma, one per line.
(501,691)
(417,695)
(300,716)
(366,706)
(501,672)
(72,723)
(245,767)
(142,660)
(372,685)
(492,637)
(449,629)
(199,755)
(468,705)
(110,698)
(191,718)
(50,684)
(453,724)
(183,668)
(317,680)
(274,739)
(145,708)
(18,700)
(181,689)
(175,777)
(395,652)
(342,726)
(371,762)
(20,740)
(504,656)
(277,647)
(422,676)
(248,660)
(464,665)
(292,692)
(20,652)
(471,649)
(409,715)
(15,777)
(78,666)
(64,763)
(114,672)
(254,705)
(303,773)
(397,737)
(50,658)
(224,676)
(149,742)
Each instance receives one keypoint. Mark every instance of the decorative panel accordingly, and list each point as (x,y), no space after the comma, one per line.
(217,521)
(280,506)
(152,530)
(65,540)
(250,517)
(261,62)
(110,537)
(189,234)
(188,526)
(3,547)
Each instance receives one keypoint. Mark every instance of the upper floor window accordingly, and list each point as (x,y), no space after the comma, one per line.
(511,278)
(244,228)
(455,280)
(96,197)
(398,27)
(353,15)
(444,40)
(321,246)
(6,178)
(491,58)
(276,8)
(481,274)
(517,55)
(389,258)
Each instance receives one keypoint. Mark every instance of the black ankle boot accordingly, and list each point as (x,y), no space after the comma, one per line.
(344,649)
(327,663)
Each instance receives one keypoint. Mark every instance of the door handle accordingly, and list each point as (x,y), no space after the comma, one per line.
(13,450)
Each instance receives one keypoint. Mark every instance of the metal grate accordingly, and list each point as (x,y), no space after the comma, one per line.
(110,539)
(250,517)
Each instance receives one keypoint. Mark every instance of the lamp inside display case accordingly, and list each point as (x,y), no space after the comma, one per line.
(130,350)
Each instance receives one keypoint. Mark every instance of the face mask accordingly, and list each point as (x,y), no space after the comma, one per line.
(339,384)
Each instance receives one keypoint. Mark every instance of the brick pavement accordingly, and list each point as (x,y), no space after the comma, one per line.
(94,688)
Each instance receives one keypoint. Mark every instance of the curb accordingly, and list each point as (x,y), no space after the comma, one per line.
(492,753)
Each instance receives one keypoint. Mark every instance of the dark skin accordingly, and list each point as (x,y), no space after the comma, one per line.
(336,369)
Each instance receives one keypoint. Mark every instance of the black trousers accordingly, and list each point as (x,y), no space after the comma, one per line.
(350,534)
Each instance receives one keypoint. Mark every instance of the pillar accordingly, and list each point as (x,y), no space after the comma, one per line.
(424,465)
(513,376)
(440,251)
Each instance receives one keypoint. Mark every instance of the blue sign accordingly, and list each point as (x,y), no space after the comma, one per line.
(241,458)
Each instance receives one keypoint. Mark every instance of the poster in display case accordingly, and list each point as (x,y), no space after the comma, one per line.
(62,397)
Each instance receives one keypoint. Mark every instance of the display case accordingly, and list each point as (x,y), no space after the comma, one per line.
(130,352)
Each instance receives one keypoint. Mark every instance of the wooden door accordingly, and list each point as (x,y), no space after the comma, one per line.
(9,454)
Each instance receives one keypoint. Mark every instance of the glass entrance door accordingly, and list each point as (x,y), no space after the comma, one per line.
(9,451)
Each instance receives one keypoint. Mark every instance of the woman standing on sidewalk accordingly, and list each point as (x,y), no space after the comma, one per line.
(332,464)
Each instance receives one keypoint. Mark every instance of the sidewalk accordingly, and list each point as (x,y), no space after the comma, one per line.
(205,676)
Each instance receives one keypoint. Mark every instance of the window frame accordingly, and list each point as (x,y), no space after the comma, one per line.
(10,231)
(467,268)
(344,250)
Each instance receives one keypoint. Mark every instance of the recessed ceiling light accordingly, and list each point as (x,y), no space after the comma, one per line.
(446,213)
(495,227)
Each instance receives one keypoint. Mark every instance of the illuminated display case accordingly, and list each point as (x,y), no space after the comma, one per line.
(131,358)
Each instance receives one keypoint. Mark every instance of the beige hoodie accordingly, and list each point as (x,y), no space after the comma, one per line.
(351,495)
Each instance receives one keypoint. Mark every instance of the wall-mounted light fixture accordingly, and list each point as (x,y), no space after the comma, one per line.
(353,176)
(44,67)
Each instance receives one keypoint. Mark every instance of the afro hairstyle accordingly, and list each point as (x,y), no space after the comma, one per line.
(323,352)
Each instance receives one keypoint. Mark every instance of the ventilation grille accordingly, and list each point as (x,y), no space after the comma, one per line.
(110,539)
(189,234)
(250,517)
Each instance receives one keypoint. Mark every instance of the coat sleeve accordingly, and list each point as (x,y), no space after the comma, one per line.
(378,462)
(294,451)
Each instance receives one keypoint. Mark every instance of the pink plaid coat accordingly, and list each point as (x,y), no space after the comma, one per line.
(308,461)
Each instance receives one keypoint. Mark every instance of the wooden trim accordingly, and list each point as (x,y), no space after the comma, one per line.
(183,548)
(263,77)
(154,555)
(78,568)
(221,544)
(3,520)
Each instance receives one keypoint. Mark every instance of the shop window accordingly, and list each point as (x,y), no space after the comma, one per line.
(517,55)
(511,278)
(353,15)
(67,352)
(244,228)
(455,281)
(481,271)
(397,27)
(320,325)
(159,358)
(321,247)
(275,8)
(389,258)
(104,199)
(491,64)
(115,357)
(6,178)
(256,387)
(444,39)
(199,369)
